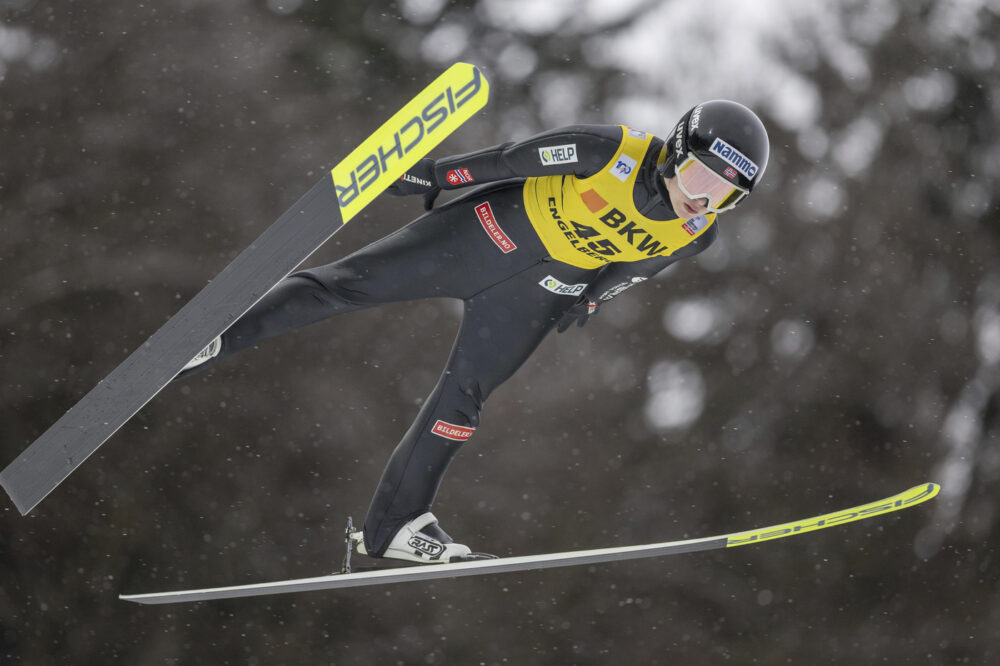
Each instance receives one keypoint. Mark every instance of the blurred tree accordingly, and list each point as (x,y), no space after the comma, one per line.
(840,341)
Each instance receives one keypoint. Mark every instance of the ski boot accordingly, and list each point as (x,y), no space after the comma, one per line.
(206,354)
(421,540)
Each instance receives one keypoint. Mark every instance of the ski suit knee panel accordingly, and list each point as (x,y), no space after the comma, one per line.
(458,401)
(471,400)
(339,283)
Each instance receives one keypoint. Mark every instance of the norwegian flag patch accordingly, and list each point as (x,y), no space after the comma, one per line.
(457,176)
(730,173)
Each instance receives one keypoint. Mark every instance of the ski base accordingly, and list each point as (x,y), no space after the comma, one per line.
(911,497)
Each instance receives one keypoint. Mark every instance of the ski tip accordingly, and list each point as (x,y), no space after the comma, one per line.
(433,114)
(905,499)
(915,495)
(463,65)
(479,81)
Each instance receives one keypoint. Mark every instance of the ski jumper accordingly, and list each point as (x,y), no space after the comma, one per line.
(573,213)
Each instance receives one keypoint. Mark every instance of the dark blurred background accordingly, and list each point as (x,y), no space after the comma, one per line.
(839,344)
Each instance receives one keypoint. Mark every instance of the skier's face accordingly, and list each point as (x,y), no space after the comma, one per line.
(683,206)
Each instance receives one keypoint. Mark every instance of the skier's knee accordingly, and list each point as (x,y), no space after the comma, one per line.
(469,401)
(337,283)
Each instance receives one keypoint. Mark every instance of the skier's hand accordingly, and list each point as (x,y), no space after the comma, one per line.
(418,180)
(579,312)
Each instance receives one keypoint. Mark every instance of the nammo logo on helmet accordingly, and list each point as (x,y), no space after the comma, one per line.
(741,162)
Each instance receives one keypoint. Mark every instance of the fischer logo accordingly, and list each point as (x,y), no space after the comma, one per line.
(550,155)
(557,287)
(433,549)
(451,431)
(457,176)
(623,167)
(489,222)
(742,163)
(420,127)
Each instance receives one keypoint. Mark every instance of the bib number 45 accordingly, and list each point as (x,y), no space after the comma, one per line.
(602,246)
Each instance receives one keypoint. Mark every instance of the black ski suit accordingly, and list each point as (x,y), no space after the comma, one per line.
(483,248)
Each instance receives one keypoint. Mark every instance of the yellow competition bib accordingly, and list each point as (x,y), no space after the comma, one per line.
(590,222)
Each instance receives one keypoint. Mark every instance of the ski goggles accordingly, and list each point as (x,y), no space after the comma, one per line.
(697,181)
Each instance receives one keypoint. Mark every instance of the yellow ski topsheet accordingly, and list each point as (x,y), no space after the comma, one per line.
(409,135)
(914,495)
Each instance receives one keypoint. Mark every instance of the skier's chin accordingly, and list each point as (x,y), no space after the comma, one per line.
(686,209)
(690,211)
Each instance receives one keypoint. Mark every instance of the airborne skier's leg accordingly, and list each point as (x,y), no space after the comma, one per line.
(501,327)
(445,253)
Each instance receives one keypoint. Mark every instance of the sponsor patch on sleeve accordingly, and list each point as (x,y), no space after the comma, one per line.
(620,287)
(485,214)
(565,154)
(451,431)
(557,287)
(459,176)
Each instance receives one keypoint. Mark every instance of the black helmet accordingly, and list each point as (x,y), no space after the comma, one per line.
(726,137)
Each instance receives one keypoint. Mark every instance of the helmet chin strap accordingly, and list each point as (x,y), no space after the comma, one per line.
(665,164)
(673,149)
(661,189)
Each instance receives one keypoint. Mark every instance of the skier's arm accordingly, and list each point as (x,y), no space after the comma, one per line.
(617,277)
(580,150)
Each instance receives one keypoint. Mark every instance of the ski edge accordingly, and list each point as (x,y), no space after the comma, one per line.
(906,499)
